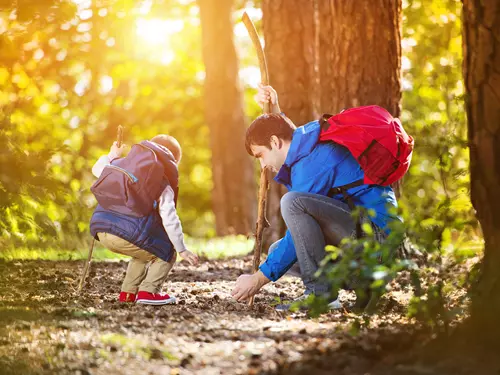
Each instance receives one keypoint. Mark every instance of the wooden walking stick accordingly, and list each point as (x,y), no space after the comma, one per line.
(264,180)
(87,266)
(264,75)
(262,222)
(119,138)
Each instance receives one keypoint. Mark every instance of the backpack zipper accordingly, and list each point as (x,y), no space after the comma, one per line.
(130,176)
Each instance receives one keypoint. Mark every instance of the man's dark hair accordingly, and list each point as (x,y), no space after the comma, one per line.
(171,143)
(259,133)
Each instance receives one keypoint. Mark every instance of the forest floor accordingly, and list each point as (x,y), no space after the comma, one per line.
(45,328)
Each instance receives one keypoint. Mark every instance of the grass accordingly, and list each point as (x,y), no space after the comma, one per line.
(57,254)
(221,247)
(136,346)
(215,248)
(99,253)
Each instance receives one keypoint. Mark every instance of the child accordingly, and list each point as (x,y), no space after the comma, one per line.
(153,238)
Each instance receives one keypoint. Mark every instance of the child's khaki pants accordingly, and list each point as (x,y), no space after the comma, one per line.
(139,276)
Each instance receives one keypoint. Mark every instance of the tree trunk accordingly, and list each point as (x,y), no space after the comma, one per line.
(234,193)
(360,55)
(482,83)
(289,48)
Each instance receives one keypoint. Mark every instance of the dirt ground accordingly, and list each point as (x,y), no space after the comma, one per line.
(46,329)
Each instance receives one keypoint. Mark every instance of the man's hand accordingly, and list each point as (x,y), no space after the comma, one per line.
(188,256)
(248,285)
(116,152)
(266,94)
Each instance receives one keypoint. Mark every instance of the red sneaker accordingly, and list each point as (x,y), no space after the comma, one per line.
(127,297)
(147,298)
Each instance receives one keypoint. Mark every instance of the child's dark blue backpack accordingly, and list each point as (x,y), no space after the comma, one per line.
(132,185)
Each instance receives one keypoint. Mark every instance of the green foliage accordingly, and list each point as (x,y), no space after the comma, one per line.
(429,308)
(363,265)
(436,189)
(70,73)
(435,205)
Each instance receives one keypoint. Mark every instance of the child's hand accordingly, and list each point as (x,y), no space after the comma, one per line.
(116,152)
(266,94)
(191,258)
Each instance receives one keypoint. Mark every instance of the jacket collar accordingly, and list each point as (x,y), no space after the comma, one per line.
(304,140)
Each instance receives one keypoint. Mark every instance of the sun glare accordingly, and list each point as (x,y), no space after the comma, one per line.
(157,31)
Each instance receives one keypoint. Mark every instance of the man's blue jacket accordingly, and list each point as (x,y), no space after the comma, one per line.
(313,167)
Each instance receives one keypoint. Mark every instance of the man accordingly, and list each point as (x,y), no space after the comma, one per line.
(309,170)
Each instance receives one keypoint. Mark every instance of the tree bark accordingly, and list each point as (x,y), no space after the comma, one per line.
(327,55)
(482,82)
(289,48)
(234,195)
(359,54)
(359,49)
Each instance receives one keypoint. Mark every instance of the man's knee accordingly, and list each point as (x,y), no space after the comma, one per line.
(288,201)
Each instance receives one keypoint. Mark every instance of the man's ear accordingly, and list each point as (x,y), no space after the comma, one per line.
(277,142)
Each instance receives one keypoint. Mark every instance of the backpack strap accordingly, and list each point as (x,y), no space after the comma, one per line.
(150,149)
(343,190)
(323,121)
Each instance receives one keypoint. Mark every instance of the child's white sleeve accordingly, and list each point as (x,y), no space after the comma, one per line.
(99,165)
(170,219)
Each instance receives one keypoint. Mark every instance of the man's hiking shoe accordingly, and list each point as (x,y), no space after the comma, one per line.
(127,297)
(287,306)
(147,298)
(334,305)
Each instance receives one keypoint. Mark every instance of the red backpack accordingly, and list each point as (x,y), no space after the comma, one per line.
(376,139)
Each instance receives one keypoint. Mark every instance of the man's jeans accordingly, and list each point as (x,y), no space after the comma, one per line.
(314,221)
